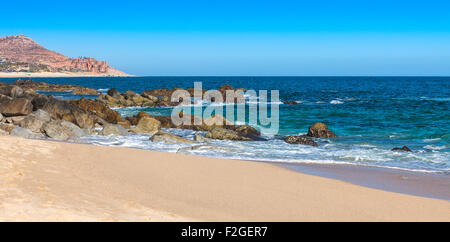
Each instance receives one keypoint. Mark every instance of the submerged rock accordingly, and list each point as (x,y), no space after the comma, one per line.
(290,102)
(404,148)
(201,138)
(320,130)
(170,138)
(300,139)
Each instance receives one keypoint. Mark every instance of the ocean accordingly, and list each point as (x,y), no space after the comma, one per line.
(370,115)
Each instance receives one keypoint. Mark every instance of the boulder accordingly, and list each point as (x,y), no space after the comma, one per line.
(147,125)
(113,129)
(404,148)
(114,93)
(69,112)
(300,139)
(15,106)
(11,91)
(170,138)
(32,123)
(320,130)
(23,132)
(149,96)
(39,101)
(62,130)
(134,120)
(42,115)
(226,134)
(1,117)
(101,110)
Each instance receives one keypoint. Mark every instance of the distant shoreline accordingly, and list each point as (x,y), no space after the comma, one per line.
(57,74)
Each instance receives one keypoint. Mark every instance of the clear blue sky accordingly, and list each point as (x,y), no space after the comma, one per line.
(228,37)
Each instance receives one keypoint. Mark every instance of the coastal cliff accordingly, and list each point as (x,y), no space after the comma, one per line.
(20,54)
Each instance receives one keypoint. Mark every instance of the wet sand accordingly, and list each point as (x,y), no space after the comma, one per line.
(55,181)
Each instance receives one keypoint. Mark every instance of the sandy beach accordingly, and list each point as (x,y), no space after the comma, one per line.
(56,181)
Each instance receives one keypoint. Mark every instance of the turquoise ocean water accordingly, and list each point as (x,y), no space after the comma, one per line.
(371,115)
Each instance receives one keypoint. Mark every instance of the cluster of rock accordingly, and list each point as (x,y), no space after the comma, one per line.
(42,86)
(155,97)
(216,126)
(23,112)
(317,130)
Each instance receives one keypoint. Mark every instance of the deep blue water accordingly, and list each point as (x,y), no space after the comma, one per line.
(371,115)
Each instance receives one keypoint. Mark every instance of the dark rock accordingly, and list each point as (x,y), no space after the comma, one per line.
(300,139)
(69,112)
(101,110)
(226,134)
(39,101)
(15,106)
(290,102)
(404,148)
(320,130)
(11,91)
(114,93)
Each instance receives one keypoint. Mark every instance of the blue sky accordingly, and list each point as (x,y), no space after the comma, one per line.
(174,37)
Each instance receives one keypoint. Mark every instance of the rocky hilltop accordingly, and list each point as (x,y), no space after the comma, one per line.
(21,54)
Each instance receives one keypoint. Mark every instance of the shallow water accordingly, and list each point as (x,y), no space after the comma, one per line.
(371,115)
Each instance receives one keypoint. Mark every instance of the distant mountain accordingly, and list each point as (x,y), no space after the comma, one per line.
(21,54)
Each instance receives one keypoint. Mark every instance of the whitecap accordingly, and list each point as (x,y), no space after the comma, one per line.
(336,102)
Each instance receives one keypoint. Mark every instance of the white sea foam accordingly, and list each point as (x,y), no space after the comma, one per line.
(276,150)
(336,102)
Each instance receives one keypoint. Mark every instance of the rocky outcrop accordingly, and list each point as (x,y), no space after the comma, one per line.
(99,109)
(11,91)
(226,134)
(404,148)
(15,106)
(23,54)
(320,130)
(69,112)
(62,130)
(43,86)
(32,123)
(300,139)
(170,138)
(147,125)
